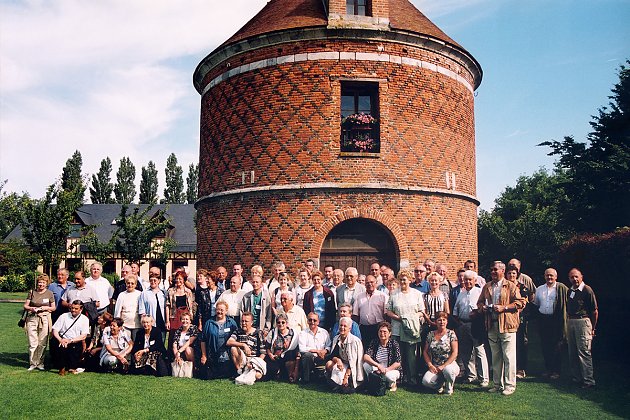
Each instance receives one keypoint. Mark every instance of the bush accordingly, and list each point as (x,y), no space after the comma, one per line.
(17,282)
(112,277)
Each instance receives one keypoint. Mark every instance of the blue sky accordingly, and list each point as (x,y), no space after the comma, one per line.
(114,78)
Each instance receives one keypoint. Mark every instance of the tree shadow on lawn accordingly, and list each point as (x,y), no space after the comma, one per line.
(14,359)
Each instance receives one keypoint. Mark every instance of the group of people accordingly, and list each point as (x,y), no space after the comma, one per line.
(349,330)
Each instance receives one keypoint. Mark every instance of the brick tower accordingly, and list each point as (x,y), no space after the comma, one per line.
(338,130)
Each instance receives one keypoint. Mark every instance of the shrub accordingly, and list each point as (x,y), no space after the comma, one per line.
(17,282)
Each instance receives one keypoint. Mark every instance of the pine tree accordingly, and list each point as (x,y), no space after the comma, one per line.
(191,183)
(102,187)
(71,175)
(149,184)
(174,191)
(125,189)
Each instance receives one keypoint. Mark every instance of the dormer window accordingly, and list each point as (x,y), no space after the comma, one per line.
(358,7)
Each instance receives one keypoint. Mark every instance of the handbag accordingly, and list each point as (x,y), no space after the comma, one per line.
(90,310)
(22,321)
(377,384)
(182,370)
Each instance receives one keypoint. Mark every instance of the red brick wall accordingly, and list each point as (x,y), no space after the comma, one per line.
(380,8)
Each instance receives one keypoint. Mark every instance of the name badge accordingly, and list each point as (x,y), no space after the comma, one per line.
(152,342)
(226,330)
(572,294)
(45,300)
(328,298)
(257,306)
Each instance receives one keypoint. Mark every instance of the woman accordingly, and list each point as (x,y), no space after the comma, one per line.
(117,346)
(435,301)
(344,368)
(284,281)
(153,302)
(148,350)
(282,350)
(383,356)
(93,352)
(206,295)
(305,285)
(179,299)
(214,353)
(321,301)
(184,341)
(127,306)
(405,308)
(440,353)
(39,304)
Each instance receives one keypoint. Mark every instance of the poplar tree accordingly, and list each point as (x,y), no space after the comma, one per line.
(174,191)
(192,181)
(125,189)
(71,178)
(102,187)
(149,184)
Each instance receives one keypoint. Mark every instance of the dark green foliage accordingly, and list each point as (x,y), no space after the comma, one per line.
(102,187)
(192,181)
(16,258)
(125,189)
(71,178)
(11,207)
(174,191)
(149,184)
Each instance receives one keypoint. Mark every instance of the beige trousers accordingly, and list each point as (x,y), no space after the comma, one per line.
(37,331)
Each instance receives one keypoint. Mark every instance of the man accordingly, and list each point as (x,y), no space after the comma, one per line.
(387,274)
(135,270)
(582,314)
(101,285)
(375,270)
(277,268)
(345,311)
(247,344)
(328,276)
(80,291)
(58,289)
(472,266)
(471,349)
(446,286)
(314,345)
(551,300)
(120,285)
(347,292)
(420,282)
(295,315)
(223,281)
(455,291)
(337,281)
(429,264)
(233,298)
(369,310)
(309,265)
(500,301)
(70,330)
(237,271)
(528,290)
(258,303)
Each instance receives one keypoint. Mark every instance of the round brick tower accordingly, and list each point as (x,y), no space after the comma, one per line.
(338,132)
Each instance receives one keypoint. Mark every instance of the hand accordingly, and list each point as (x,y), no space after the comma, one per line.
(381,369)
(321,353)
(440,368)
(94,351)
(138,355)
(64,343)
(168,325)
(124,361)
(339,364)
(247,350)
(433,369)
(499,309)
(345,381)
(203,360)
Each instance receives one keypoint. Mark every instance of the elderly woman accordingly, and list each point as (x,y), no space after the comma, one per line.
(92,356)
(38,306)
(405,308)
(440,354)
(179,299)
(344,368)
(284,285)
(383,356)
(184,341)
(117,346)
(148,350)
(127,306)
(321,301)
(282,350)
(207,293)
(214,351)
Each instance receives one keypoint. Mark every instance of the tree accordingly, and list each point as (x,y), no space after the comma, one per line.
(136,230)
(174,191)
(192,181)
(71,175)
(149,184)
(125,189)
(598,172)
(11,207)
(16,258)
(102,187)
(46,227)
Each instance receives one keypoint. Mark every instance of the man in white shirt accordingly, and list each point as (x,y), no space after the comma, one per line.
(135,270)
(70,330)
(369,310)
(347,293)
(233,298)
(104,289)
(471,348)
(295,315)
(314,345)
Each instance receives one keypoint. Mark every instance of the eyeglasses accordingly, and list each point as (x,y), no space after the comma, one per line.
(419,271)
(281,322)
(312,320)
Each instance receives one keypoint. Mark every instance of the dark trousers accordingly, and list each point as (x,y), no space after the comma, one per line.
(70,357)
(551,343)
(521,346)
(308,362)
(368,333)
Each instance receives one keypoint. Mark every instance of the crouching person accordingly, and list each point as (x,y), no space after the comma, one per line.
(314,345)
(70,330)
(148,350)
(383,356)
(344,368)
(117,346)
(247,351)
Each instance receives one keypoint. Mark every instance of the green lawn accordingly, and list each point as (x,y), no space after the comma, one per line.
(45,394)
(13,295)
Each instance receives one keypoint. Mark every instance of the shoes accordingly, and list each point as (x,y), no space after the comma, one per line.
(449,392)
(394,387)
(469,381)
(31,368)
(484,384)
(441,390)
(62,372)
(520,374)
(79,370)
(494,390)
(41,368)
(554,376)
(587,386)
(508,391)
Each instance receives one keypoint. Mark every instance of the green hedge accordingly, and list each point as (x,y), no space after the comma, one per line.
(17,282)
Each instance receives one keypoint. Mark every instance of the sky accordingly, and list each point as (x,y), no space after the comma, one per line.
(114,78)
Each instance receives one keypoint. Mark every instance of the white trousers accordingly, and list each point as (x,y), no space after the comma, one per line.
(503,348)
(392,376)
(447,377)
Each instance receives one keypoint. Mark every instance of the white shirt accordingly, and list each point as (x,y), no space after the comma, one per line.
(104,290)
(309,341)
(127,309)
(546,298)
(80,327)
(233,299)
(299,294)
(466,302)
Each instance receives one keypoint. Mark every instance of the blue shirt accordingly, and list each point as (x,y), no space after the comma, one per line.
(58,291)
(354,330)
(319,305)
(423,287)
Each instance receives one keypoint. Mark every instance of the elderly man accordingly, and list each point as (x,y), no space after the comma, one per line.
(369,310)
(429,264)
(337,281)
(472,266)
(233,297)
(528,290)
(258,303)
(247,343)
(551,300)
(295,315)
(420,282)
(80,291)
(101,285)
(223,282)
(346,293)
(447,285)
(501,301)
(314,345)
(70,331)
(582,314)
(58,289)
(345,310)
(471,349)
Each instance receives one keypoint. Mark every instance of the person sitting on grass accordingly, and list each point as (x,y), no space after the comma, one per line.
(214,351)
(185,340)
(149,351)
(246,345)
(92,356)
(383,356)
(440,354)
(117,346)
(70,330)
(282,351)
(344,368)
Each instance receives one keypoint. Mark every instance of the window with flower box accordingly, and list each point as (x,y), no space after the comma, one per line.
(359,118)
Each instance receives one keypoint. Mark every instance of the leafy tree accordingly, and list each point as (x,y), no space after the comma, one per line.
(46,227)
(149,184)
(125,189)
(100,251)
(136,230)
(598,172)
(11,206)
(16,258)
(71,175)
(102,187)
(174,191)
(191,183)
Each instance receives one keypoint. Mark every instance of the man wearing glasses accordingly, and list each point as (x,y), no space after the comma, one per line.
(314,345)
(419,279)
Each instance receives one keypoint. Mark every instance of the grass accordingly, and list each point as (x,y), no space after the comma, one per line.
(13,295)
(45,394)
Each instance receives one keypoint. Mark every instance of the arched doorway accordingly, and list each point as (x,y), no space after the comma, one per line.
(358,243)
